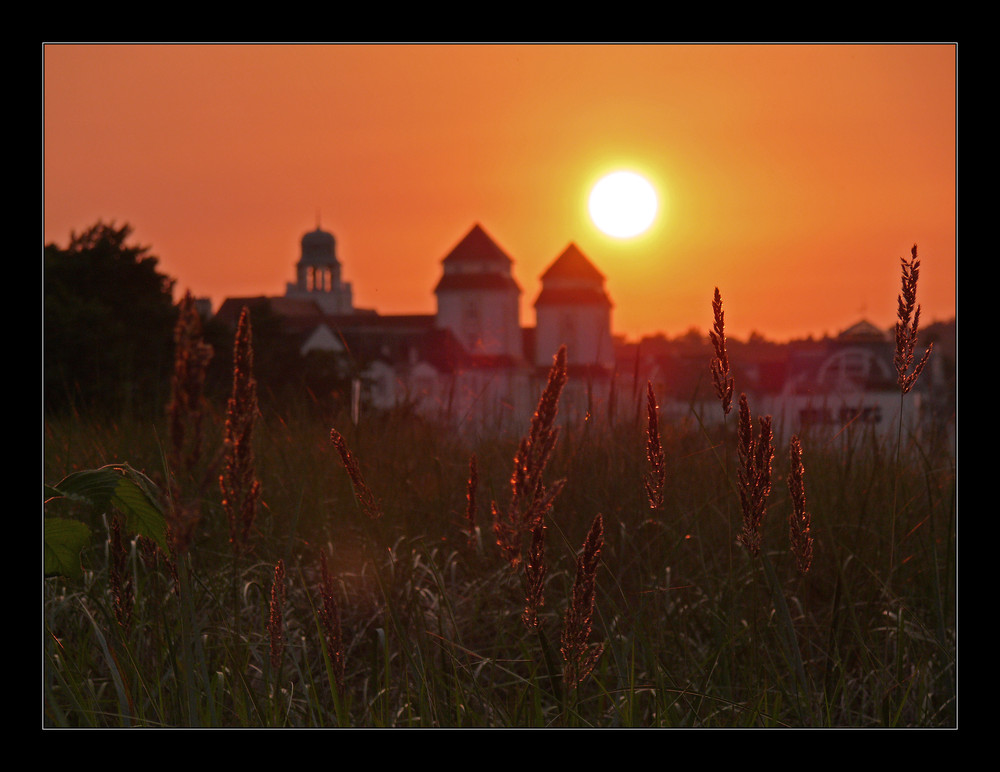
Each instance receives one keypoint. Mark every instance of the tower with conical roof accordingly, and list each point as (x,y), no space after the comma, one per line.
(574,309)
(478,298)
(318,274)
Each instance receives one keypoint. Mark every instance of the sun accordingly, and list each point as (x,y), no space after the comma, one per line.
(623,204)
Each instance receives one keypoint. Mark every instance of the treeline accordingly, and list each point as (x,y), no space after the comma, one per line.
(108,322)
(109,319)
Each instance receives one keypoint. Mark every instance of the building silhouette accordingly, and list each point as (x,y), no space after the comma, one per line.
(471,361)
(473,365)
(478,299)
(573,309)
(317,275)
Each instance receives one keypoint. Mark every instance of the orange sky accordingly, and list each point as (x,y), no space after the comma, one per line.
(792,177)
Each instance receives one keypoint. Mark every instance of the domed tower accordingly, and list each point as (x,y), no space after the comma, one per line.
(478,298)
(318,274)
(574,309)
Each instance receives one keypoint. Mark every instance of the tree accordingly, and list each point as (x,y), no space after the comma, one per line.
(108,323)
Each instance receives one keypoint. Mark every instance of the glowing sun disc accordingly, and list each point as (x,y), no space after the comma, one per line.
(623,204)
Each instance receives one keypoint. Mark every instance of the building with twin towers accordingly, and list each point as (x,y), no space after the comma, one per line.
(471,363)
(473,366)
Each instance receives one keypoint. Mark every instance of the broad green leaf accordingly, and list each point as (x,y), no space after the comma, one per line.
(142,514)
(64,540)
(124,488)
(94,486)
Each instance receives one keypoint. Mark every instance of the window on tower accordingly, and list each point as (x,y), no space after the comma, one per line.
(472,328)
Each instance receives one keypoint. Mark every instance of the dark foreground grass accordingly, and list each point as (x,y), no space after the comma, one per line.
(695,631)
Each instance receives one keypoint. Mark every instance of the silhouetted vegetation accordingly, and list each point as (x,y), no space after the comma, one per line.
(109,318)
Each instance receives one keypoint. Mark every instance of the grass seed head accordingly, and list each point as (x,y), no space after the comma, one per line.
(369,504)
(531,499)
(724,381)
(656,477)
(908,325)
(534,572)
(275,624)
(239,483)
(187,401)
(579,657)
(799,521)
(507,533)
(754,475)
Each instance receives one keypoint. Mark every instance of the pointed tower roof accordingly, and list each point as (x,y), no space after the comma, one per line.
(477,246)
(572,280)
(477,263)
(573,264)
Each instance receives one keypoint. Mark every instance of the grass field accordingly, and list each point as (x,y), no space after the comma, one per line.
(695,631)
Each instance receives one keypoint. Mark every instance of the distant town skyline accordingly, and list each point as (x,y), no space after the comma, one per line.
(793,177)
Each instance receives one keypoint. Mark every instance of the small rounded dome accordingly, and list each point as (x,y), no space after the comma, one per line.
(319,248)
(318,238)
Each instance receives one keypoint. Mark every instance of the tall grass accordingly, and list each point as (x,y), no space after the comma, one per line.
(372,592)
(431,624)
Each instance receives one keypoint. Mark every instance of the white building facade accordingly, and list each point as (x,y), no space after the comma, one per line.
(478,298)
(573,309)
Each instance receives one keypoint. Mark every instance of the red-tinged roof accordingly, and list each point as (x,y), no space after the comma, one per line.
(231,308)
(285,306)
(477,281)
(477,245)
(405,323)
(573,264)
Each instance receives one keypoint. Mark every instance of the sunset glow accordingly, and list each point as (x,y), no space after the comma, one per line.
(793,177)
(623,204)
